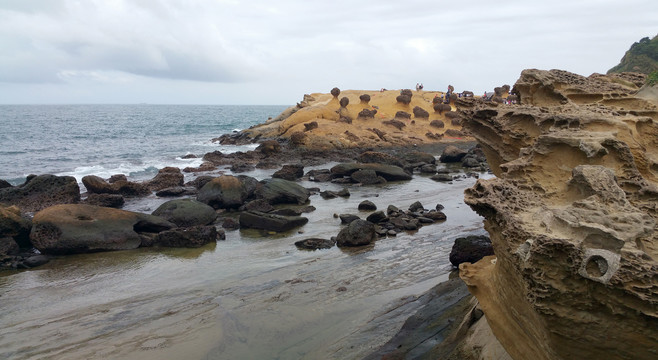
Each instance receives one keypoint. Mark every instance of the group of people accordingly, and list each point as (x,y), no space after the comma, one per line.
(419,86)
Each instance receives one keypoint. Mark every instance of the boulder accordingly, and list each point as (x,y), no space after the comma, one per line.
(437,124)
(347,218)
(257,205)
(224,192)
(177,191)
(403,99)
(428,169)
(290,172)
(357,233)
(344,101)
(280,191)
(376,217)
(365,98)
(470,249)
(367,113)
(419,157)
(190,237)
(335,92)
(270,222)
(186,212)
(388,172)
(315,244)
(416,206)
(40,192)
(79,228)
(8,246)
(269,147)
(96,185)
(452,154)
(166,177)
(379,158)
(14,225)
(105,200)
(421,113)
(367,205)
(442,177)
(367,177)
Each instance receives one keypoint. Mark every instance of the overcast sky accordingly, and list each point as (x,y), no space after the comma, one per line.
(275,51)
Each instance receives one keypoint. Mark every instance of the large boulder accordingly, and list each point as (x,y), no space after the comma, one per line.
(186,212)
(470,249)
(388,172)
(270,222)
(280,191)
(190,237)
(224,192)
(290,172)
(357,233)
(78,228)
(416,157)
(367,177)
(167,177)
(98,185)
(452,154)
(14,225)
(40,192)
(380,158)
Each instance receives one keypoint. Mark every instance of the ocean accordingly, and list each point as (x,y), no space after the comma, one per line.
(103,140)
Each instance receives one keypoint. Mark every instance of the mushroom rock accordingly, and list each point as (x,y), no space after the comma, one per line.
(335,92)
(572,217)
(365,99)
(344,101)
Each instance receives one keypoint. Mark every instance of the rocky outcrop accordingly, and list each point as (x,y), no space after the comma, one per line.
(97,185)
(78,228)
(572,218)
(40,192)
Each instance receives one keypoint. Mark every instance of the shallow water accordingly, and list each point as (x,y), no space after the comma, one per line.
(248,297)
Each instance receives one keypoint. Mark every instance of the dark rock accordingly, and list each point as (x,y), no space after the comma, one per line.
(280,191)
(421,113)
(335,92)
(117,177)
(395,123)
(257,205)
(392,209)
(416,206)
(407,92)
(190,237)
(376,217)
(455,133)
(204,167)
(36,260)
(8,246)
(269,147)
(307,209)
(367,113)
(437,124)
(379,158)
(270,222)
(230,224)
(189,156)
(69,229)
(4,184)
(347,218)
(315,244)
(97,185)
(441,108)
(439,207)
(14,225)
(367,177)
(470,162)
(435,215)
(419,157)
(200,181)
(365,98)
(105,200)
(346,119)
(297,138)
(428,169)
(367,205)
(221,234)
(334,194)
(425,220)
(310,126)
(404,99)
(388,172)
(176,191)
(470,249)
(344,102)
(402,115)
(166,177)
(224,192)
(290,172)
(186,212)
(321,175)
(452,154)
(39,192)
(241,166)
(357,233)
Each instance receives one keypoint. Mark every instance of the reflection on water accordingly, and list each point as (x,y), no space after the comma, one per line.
(250,296)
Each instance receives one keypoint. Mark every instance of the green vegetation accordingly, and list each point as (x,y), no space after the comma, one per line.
(642,57)
(652,79)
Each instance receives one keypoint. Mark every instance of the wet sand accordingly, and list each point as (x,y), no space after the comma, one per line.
(251,296)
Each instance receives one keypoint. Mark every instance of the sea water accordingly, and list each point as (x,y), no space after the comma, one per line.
(102,140)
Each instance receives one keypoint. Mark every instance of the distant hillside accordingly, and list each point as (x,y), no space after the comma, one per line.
(642,57)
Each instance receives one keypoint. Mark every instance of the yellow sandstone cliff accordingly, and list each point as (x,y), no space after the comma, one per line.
(572,215)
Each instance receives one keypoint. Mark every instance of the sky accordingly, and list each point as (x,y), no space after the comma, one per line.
(275,51)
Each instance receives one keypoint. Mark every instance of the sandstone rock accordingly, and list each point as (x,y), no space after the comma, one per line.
(78,228)
(186,213)
(15,226)
(269,147)
(224,192)
(311,126)
(39,192)
(572,217)
(357,233)
(470,249)
(166,177)
(297,138)
(315,244)
(270,222)
(189,237)
(96,185)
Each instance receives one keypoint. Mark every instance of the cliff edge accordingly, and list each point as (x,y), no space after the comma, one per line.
(572,215)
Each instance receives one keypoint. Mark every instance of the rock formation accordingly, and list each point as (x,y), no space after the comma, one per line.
(572,218)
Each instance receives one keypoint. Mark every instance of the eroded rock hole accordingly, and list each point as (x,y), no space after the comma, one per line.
(596,266)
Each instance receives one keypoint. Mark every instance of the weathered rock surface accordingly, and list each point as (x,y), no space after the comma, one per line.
(40,192)
(357,233)
(189,237)
(470,249)
(280,191)
(572,218)
(97,185)
(79,228)
(15,226)
(165,178)
(388,172)
(186,212)
(270,222)
(224,192)
(315,244)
